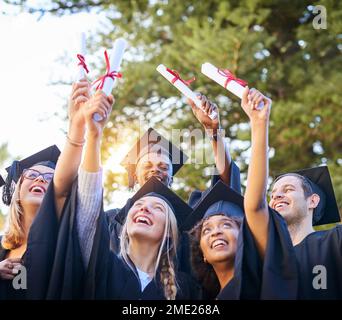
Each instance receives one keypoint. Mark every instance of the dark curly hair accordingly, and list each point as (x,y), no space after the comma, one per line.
(204,272)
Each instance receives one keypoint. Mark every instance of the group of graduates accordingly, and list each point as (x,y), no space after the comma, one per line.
(219,245)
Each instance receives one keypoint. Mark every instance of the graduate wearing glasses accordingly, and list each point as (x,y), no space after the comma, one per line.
(24,190)
(36,190)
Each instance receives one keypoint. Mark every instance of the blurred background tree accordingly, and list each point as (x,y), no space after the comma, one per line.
(4,155)
(272,44)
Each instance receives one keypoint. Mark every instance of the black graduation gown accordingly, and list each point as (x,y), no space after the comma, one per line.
(324,249)
(276,277)
(53,257)
(109,277)
(288,271)
(7,292)
(114,228)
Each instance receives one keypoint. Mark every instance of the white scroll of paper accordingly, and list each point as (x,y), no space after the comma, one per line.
(81,56)
(221,76)
(183,88)
(115,62)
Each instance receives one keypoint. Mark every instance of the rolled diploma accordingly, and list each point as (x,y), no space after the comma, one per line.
(115,62)
(183,88)
(212,72)
(81,71)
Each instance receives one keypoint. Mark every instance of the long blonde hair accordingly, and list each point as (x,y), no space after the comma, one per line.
(14,234)
(166,254)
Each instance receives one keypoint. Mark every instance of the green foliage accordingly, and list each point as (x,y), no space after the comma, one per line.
(4,154)
(272,44)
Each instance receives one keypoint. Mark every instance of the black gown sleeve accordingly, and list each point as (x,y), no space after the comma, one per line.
(276,277)
(53,256)
(114,228)
(98,272)
(3,283)
(280,270)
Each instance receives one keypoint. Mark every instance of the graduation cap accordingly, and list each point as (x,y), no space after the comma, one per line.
(319,178)
(152,141)
(47,157)
(154,188)
(2,181)
(221,199)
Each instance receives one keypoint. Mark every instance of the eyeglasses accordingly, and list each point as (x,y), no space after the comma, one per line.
(32,174)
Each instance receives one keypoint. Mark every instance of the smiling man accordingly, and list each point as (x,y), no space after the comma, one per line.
(151,156)
(306,199)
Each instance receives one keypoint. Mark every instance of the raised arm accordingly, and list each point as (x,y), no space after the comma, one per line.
(70,158)
(213,129)
(103,105)
(255,203)
(89,192)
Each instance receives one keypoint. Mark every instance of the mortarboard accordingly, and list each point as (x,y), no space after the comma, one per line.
(153,187)
(2,181)
(221,199)
(327,210)
(152,141)
(47,157)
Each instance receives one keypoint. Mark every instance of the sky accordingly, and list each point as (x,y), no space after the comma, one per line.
(30,62)
(34,55)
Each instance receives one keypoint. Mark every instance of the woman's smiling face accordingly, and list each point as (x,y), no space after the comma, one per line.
(147,218)
(218,241)
(35,182)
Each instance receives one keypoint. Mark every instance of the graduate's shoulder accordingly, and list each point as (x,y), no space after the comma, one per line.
(333,235)
(119,266)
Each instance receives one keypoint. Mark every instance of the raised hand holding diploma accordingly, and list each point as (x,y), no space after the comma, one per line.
(106,82)
(251,99)
(202,113)
(182,85)
(100,104)
(226,79)
(82,67)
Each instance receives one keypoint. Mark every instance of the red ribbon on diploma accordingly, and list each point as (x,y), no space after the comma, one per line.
(82,62)
(230,77)
(108,74)
(177,77)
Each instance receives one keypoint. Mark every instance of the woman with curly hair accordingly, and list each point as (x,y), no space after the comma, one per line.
(213,271)
(213,257)
(235,245)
